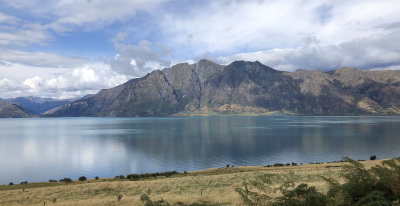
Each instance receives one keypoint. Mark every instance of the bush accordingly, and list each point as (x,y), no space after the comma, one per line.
(120,177)
(133,176)
(378,186)
(148,175)
(24,182)
(278,165)
(82,178)
(66,180)
(52,180)
(11,183)
(96,178)
(372,157)
(302,195)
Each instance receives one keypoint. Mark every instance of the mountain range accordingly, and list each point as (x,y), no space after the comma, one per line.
(30,106)
(244,88)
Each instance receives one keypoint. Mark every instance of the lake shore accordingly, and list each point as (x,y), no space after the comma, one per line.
(213,186)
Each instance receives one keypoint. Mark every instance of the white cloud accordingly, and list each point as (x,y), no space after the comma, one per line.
(7,19)
(229,27)
(379,51)
(43,59)
(138,60)
(23,35)
(88,78)
(90,14)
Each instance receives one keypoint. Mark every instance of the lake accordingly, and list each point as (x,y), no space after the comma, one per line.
(39,149)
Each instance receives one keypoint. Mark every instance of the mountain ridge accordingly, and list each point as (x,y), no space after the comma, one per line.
(244,87)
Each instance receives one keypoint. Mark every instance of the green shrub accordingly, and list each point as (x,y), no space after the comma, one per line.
(11,183)
(96,178)
(256,191)
(82,178)
(133,176)
(302,195)
(66,180)
(120,177)
(278,165)
(378,186)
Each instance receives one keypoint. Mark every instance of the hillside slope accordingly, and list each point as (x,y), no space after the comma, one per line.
(12,110)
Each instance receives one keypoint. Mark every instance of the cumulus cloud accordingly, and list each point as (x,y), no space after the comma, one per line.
(86,79)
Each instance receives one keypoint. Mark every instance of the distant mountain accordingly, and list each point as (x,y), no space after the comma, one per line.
(12,110)
(244,87)
(37,105)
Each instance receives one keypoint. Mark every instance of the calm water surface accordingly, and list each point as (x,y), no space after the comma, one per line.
(52,148)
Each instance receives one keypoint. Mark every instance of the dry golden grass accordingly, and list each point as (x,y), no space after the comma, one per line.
(214,186)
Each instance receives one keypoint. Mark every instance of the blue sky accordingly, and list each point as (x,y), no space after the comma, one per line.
(69,48)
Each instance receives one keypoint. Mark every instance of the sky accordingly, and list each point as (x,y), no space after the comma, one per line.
(70,48)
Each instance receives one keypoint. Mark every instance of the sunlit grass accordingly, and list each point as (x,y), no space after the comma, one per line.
(207,187)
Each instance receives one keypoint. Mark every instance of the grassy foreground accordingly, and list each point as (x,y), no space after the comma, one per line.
(206,187)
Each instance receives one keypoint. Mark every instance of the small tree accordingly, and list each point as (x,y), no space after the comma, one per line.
(82,178)
(66,180)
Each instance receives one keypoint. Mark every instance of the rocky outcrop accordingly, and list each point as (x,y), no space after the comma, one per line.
(244,87)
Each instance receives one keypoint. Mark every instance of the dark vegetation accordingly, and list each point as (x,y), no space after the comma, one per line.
(149,175)
(377,186)
(82,178)
(66,180)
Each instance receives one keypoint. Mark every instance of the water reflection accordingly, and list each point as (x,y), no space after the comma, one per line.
(42,149)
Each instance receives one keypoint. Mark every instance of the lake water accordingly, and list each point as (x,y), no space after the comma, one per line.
(40,149)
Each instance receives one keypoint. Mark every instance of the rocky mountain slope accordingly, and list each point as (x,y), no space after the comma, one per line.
(244,87)
(12,110)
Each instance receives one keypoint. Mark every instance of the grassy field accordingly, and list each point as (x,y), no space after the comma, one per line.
(206,187)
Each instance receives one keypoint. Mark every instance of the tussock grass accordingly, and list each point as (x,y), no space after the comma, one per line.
(207,187)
